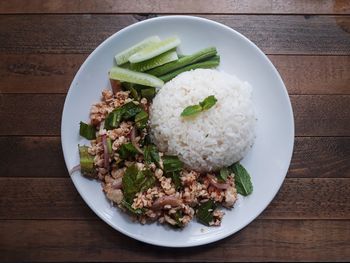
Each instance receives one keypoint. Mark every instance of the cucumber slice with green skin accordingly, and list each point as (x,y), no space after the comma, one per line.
(127,75)
(157,61)
(154,50)
(123,56)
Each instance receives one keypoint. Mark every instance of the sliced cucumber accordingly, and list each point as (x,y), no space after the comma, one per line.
(155,62)
(155,49)
(123,56)
(127,75)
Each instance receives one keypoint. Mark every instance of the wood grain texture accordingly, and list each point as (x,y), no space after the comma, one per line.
(278,240)
(179,6)
(56,198)
(274,34)
(313,157)
(315,115)
(53,73)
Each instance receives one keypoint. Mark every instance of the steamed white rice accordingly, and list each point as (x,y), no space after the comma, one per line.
(214,138)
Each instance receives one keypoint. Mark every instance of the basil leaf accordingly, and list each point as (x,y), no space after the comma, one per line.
(242,179)
(131,209)
(135,181)
(127,150)
(191,110)
(177,217)
(175,177)
(208,102)
(151,154)
(171,164)
(224,172)
(86,161)
(87,131)
(141,119)
(205,212)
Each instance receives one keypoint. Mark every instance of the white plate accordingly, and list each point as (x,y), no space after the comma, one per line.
(267,162)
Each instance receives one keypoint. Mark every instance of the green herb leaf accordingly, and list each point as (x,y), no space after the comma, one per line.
(141,119)
(175,177)
(151,154)
(242,179)
(131,209)
(127,150)
(191,110)
(135,181)
(205,212)
(208,102)
(87,131)
(86,161)
(171,164)
(224,172)
(177,217)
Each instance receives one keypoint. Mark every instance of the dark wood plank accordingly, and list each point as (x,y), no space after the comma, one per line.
(321,115)
(56,198)
(53,73)
(315,115)
(179,6)
(262,240)
(274,34)
(314,157)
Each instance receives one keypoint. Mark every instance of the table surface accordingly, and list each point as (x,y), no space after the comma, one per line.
(42,45)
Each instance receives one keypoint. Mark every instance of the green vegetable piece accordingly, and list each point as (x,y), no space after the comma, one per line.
(242,179)
(87,131)
(128,75)
(159,60)
(211,63)
(131,209)
(151,154)
(123,56)
(191,110)
(208,102)
(135,181)
(177,217)
(224,173)
(86,161)
(155,49)
(148,93)
(141,119)
(184,61)
(109,145)
(113,119)
(127,150)
(130,110)
(205,212)
(171,164)
(175,177)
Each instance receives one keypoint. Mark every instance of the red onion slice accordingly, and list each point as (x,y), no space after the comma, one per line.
(74,169)
(133,140)
(105,151)
(213,181)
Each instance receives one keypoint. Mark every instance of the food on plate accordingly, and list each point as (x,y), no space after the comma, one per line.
(170,152)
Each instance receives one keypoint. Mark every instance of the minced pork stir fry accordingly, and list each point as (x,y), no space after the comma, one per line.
(142,181)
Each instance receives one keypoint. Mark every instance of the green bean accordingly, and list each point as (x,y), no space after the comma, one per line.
(183,61)
(211,63)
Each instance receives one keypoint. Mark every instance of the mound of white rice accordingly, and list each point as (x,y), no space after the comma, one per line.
(214,138)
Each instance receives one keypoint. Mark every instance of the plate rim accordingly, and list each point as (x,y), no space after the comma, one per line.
(277,186)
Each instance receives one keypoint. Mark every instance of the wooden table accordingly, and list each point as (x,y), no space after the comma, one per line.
(42,45)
